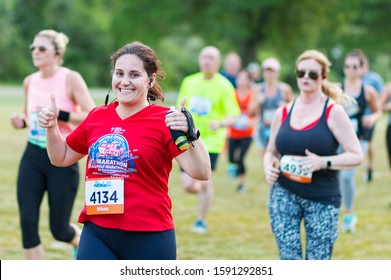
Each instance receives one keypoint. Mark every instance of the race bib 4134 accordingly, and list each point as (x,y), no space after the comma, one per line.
(104,196)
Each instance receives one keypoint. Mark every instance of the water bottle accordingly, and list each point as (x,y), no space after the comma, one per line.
(179,137)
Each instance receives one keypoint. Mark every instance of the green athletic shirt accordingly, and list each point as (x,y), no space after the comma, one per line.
(209,100)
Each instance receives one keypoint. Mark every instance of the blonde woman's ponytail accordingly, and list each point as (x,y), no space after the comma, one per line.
(335,92)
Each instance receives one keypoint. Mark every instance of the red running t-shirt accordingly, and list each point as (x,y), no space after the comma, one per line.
(139,149)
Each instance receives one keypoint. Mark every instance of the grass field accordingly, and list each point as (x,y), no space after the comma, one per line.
(238,222)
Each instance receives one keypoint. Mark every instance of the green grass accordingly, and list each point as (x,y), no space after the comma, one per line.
(238,222)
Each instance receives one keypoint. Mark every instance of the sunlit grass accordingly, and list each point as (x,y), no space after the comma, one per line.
(238,223)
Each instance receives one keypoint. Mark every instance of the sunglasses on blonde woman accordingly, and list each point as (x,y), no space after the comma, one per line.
(40,48)
(311,74)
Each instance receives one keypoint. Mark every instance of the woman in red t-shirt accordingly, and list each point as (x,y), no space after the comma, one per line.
(127,212)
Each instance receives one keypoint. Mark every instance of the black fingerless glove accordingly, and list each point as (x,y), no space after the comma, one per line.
(193,133)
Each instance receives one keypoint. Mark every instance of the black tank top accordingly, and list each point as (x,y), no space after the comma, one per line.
(356,112)
(324,187)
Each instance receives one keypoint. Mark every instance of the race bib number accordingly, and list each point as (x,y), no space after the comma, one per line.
(242,122)
(104,196)
(36,130)
(291,168)
(200,106)
(352,109)
(268,115)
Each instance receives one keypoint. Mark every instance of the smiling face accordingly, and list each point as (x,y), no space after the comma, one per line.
(305,83)
(130,81)
(43,52)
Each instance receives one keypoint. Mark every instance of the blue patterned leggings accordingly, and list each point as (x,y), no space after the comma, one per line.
(287,210)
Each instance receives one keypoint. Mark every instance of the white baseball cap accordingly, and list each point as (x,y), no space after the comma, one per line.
(271,63)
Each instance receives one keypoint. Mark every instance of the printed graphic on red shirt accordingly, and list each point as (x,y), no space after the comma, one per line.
(111,154)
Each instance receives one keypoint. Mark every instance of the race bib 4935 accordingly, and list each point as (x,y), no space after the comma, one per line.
(292,168)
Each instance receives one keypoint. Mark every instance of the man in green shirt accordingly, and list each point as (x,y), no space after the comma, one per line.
(213,105)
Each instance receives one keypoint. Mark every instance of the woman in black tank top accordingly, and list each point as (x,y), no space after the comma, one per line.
(366,97)
(301,162)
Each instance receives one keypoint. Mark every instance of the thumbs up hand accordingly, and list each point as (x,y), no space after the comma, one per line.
(176,120)
(47,117)
(183,103)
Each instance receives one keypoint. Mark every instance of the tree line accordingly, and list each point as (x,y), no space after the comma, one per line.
(178,29)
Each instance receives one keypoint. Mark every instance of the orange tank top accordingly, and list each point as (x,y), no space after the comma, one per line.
(243,127)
